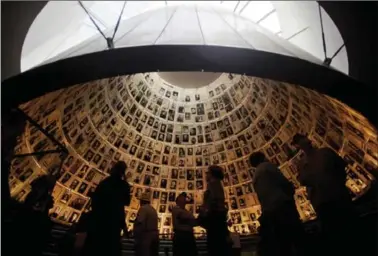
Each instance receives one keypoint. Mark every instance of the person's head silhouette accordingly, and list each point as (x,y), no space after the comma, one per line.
(302,142)
(257,158)
(181,200)
(118,170)
(44,182)
(215,173)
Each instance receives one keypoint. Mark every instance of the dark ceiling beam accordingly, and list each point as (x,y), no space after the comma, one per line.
(265,16)
(296,33)
(130,60)
(245,6)
(236,6)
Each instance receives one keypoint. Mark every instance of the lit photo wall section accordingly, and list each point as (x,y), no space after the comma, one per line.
(169,135)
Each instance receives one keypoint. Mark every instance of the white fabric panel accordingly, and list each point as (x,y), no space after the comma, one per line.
(183,28)
(256,10)
(217,32)
(295,16)
(131,24)
(148,31)
(340,62)
(241,6)
(50,31)
(271,23)
(301,40)
(63,29)
(248,31)
(333,41)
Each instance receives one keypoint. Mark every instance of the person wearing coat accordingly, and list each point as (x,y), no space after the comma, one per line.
(184,242)
(146,232)
(107,218)
(213,214)
(281,229)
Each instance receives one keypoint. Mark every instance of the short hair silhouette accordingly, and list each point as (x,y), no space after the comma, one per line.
(45,181)
(118,168)
(180,195)
(216,171)
(297,138)
(256,158)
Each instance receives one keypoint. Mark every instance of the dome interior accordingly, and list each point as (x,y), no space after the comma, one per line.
(169,127)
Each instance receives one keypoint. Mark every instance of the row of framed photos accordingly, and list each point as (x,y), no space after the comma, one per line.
(151,125)
(160,87)
(314,97)
(138,138)
(199,112)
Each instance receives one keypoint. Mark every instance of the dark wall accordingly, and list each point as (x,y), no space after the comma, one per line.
(357,22)
(16,18)
(358,25)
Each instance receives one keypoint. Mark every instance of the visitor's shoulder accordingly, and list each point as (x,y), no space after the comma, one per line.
(106,180)
(151,208)
(178,211)
(125,184)
(214,184)
(266,166)
(327,151)
(324,149)
(175,209)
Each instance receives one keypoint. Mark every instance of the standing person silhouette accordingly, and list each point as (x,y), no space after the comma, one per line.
(213,215)
(36,220)
(12,125)
(281,228)
(323,173)
(184,242)
(108,215)
(235,237)
(146,233)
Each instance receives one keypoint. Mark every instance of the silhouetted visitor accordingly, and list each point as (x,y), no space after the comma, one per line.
(184,242)
(323,173)
(12,125)
(40,198)
(213,214)
(235,238)
(37,223)
(281,229)
(146,232)
(81,229)
(108,215)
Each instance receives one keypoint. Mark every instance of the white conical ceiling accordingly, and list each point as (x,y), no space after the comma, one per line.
(63,29)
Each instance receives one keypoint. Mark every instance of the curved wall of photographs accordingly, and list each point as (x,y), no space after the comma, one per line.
(168,135)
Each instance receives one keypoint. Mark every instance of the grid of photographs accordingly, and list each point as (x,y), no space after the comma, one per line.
(169,135)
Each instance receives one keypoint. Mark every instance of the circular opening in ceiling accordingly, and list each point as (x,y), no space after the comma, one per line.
(168,135)
(189,79)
